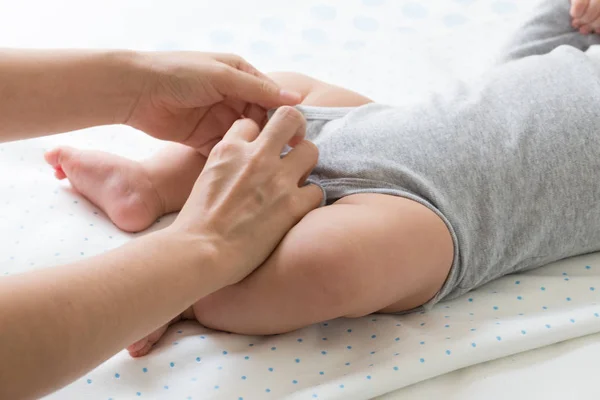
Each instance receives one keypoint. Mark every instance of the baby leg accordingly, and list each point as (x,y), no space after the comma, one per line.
(133,194)
(363,254)
(366,253)
(549,27)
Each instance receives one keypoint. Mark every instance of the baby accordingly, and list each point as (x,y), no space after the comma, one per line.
(424,202)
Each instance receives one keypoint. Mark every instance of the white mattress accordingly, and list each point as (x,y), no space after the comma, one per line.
(392,51)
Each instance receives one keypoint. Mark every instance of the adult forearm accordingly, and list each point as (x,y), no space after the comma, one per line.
(53,91)
(82,314)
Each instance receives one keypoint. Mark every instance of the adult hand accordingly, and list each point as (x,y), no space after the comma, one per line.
(586,15)
(194,98)
(243,203)
(247,196)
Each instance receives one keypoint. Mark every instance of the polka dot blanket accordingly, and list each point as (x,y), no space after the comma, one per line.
(392,51)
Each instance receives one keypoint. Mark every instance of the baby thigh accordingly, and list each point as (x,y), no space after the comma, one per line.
(363,254)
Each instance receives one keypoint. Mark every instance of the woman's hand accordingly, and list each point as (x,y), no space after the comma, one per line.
(586,15)
(242,205)
(194,98)
(247,196)
(187,97)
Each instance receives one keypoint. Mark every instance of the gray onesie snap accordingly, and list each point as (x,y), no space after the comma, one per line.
(511,163)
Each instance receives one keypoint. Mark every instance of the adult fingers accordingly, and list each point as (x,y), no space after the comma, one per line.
(309,197)
(243,129)
(595,26)
(592,12)
(578,8)
(240,63)
(241,85)
(301,160)
(256,113)
(286,125)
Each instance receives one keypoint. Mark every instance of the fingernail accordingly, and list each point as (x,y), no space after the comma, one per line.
(290,97)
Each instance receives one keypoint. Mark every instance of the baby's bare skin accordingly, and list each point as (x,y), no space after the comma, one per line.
(363,254)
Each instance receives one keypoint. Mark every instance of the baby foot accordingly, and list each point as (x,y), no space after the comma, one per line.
(143,346)
(120,187)
(586,15)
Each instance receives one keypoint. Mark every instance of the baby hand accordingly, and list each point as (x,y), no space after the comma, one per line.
(586,16)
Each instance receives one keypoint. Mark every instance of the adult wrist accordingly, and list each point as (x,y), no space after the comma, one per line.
(129,74)
(199,256)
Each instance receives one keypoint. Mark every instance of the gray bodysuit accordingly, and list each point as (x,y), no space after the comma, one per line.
(511,163)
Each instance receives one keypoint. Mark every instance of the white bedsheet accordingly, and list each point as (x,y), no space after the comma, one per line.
(392,51)
(566,370)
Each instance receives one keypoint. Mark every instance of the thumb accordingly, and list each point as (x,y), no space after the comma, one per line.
(311,196)
(241,85)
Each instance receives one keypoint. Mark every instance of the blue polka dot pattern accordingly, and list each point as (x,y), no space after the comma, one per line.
(504,7)
(221,37)
(368,45)
(366,24)
(272,25)
(373,3)
(314,36)
(354,45)
(415,10)
(323,12)
(262,48)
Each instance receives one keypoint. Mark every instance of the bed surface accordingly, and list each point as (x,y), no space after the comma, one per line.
(393,52)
